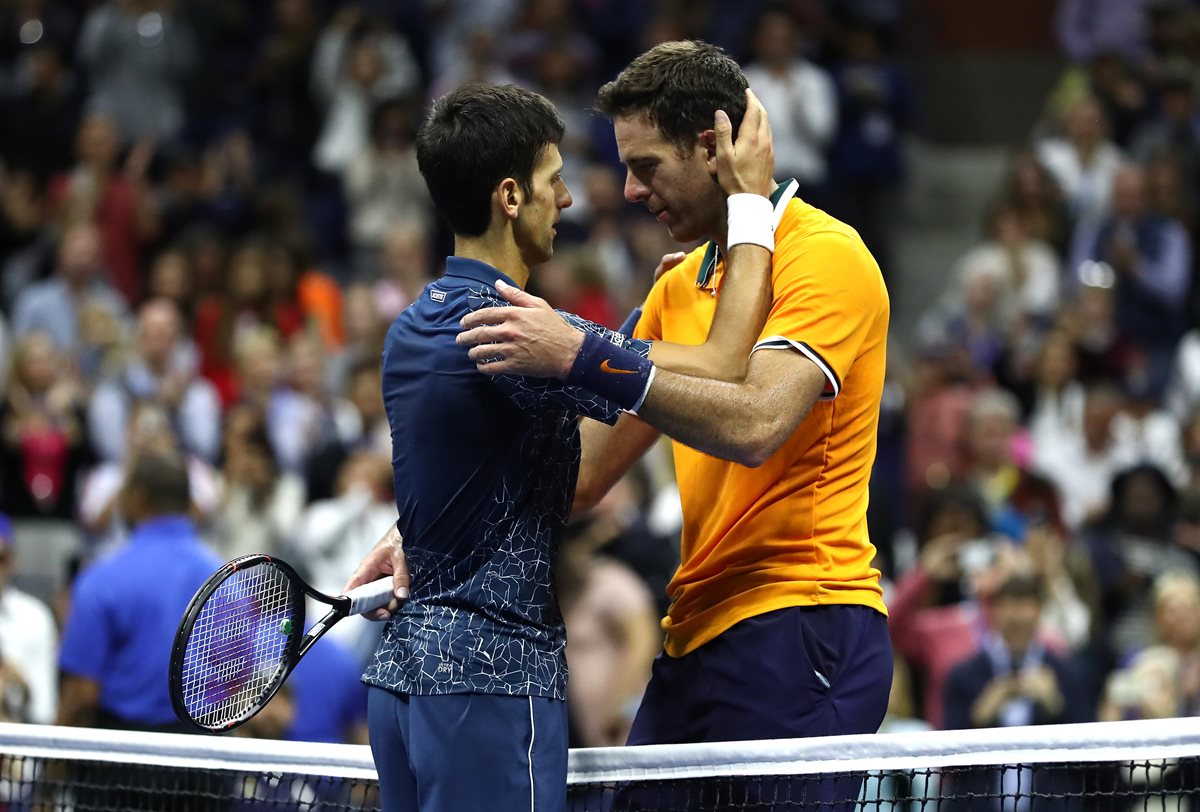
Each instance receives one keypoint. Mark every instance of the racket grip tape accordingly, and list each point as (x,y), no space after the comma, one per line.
(370,596)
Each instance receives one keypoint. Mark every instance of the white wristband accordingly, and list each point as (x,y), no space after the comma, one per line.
(751,220)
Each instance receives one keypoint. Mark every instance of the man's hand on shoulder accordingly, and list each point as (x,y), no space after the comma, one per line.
(528,338)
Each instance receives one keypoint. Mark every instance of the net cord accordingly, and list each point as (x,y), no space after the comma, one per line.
(1135,741)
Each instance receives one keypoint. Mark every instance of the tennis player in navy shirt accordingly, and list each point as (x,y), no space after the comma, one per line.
(466,707)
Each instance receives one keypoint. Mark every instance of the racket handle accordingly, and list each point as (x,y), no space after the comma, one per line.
(365,597)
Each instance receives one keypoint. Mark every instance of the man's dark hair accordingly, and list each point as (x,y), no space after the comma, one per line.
(475,137)
(161,481)
(1021,585)
(679,87)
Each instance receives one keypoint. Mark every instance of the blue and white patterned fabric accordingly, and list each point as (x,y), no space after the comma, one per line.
(484,471)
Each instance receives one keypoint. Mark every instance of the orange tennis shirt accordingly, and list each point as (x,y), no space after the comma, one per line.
(792,532)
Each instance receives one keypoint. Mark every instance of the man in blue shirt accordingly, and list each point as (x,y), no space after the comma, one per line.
(466,708)
(125,608)
(124,613)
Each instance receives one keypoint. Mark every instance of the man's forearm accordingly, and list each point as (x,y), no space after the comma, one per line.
(742,422)
(742,308)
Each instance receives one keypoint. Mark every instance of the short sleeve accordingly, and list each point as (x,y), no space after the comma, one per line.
(86,638)
(829,295)
(649,326)
(536,394)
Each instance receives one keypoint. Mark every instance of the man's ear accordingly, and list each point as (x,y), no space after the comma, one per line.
(708,143)
(509,198)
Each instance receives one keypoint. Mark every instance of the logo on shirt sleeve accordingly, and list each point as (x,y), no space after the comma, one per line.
(437,295)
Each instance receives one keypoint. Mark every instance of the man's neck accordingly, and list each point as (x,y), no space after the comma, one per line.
(497,250)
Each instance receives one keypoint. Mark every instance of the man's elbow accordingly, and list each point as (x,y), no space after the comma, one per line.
(586,498)
(761,443)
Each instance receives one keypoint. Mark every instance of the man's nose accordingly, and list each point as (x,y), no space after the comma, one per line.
(634,189)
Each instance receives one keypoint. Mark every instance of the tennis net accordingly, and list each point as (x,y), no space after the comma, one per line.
(1113,767)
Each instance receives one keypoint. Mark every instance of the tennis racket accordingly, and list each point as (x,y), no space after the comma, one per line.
(242,635)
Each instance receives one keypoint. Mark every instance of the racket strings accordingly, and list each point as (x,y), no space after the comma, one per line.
(238,645)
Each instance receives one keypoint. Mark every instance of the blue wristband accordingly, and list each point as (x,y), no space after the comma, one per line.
(612,372)
(630,324)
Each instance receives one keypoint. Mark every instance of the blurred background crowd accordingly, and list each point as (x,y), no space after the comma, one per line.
(210,212)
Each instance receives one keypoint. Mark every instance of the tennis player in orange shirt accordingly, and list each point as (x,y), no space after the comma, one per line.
(777,626)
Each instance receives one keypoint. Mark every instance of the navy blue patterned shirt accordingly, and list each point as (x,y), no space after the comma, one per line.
(484,471)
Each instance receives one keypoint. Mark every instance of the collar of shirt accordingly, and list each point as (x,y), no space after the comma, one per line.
(163,528)
(780,198)
(476,270)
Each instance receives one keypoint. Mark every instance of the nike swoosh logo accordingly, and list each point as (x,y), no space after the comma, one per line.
(606,367)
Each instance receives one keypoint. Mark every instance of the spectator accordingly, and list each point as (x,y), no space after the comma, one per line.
(44,446)
(1015,496)
(1130,547)
(304,419)
(295,284)
(1058,396)
(1038,200)
(28,640)
(800,99)
(1163,680)
(149,431)
(54,307)
(365,331)
(171,280)
(1012,680)
(933,613)
(1105,354)
(116,199)
(259,506)
(139,55)
(125,608)
(247,304)
(1152,258)
(383,186)
(1081,460)
(1026,269)
(162,371)
(334,534)
(358,63)
(1083,162)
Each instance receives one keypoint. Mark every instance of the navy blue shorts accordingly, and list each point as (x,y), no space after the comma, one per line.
(469,751)
(795,672)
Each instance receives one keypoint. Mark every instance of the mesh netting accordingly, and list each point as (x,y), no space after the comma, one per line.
(1107,767)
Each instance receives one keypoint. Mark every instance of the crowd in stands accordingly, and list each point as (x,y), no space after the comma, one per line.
(210,212)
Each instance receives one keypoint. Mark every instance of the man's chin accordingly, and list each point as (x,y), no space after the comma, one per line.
(682,233)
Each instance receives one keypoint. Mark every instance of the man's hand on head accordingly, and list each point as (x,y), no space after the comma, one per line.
(746,165)
(529,338)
